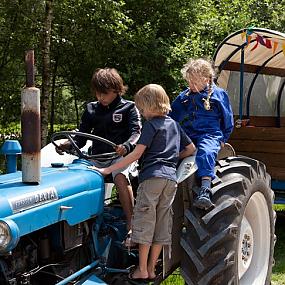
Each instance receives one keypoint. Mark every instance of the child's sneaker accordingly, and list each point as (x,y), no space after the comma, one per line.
(203,200)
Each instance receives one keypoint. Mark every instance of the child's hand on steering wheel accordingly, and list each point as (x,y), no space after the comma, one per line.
(120,150)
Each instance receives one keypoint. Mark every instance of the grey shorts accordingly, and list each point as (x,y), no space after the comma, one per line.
(152,219)
(125,171)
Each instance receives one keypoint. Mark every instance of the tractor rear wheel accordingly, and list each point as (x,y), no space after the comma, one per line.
(232,243)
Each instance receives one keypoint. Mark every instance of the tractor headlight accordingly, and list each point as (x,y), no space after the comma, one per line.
(5,235)
(9,235)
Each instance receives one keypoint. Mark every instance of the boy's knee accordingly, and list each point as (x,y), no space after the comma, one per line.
(120,177)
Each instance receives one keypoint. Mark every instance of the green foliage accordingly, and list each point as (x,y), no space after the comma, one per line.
(10,132)
(147,41)
(19,31)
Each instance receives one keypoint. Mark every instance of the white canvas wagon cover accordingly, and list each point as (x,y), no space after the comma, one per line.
(251,66)
(262,47)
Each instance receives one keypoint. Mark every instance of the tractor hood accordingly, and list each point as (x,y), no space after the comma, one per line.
(72,192)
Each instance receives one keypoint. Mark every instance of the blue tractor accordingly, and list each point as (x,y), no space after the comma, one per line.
(67,228)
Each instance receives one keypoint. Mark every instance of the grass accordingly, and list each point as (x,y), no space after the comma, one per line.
(278,207)
(278,274)
(175,278)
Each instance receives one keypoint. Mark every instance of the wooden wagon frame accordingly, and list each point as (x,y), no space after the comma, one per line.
(251,67)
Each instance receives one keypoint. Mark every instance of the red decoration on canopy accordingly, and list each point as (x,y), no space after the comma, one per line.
(270,43)
(260,40)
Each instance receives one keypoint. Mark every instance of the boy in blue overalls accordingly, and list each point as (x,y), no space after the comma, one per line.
(204,112)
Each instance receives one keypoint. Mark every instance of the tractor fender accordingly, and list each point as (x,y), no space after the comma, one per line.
(186,168)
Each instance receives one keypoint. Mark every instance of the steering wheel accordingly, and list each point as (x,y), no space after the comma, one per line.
(76,150)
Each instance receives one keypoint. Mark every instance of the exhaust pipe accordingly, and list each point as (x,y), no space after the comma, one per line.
(30,125)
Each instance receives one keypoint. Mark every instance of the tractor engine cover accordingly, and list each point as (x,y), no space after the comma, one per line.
(72,193)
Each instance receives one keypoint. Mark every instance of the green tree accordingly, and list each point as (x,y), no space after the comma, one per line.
(18,32)
(146,40)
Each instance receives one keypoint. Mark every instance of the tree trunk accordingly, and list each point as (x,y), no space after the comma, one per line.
(46,71)
(52,111)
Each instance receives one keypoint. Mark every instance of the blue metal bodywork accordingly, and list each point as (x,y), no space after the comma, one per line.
(73,194)
(11,148)
(77,195)
(279,188)
(63,217)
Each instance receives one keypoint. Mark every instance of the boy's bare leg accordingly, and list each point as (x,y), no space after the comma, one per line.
(154,255)
(126,196)
(141,270)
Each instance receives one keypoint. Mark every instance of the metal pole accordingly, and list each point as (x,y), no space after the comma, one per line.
(241,84)
(30,125)
(80,272)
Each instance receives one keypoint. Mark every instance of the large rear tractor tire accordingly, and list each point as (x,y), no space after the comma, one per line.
(232,243)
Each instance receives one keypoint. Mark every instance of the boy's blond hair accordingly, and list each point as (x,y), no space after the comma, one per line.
(200,66)
(153,98)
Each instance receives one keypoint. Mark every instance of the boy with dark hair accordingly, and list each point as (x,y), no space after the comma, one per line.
(113,118)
